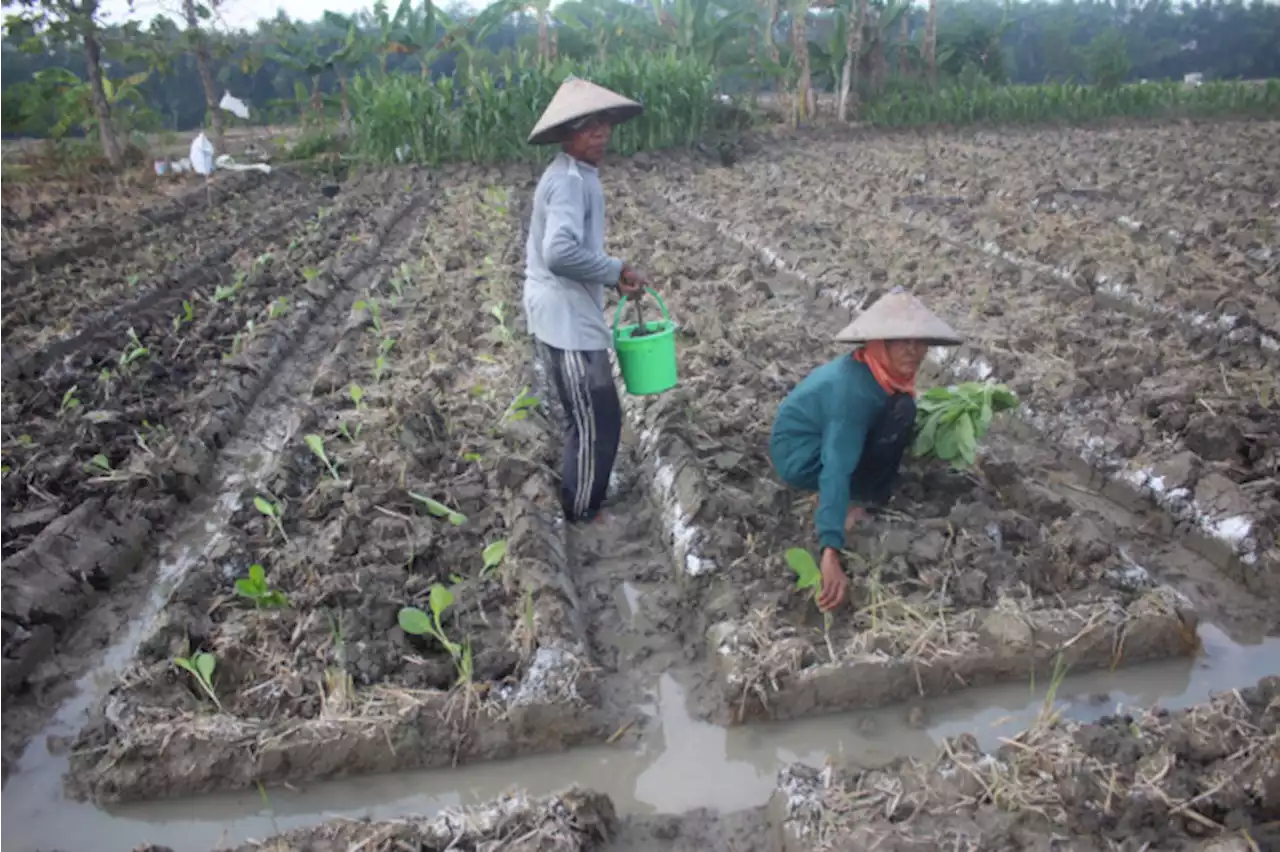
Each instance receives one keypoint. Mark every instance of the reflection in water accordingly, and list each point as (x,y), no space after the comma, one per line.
(679,764)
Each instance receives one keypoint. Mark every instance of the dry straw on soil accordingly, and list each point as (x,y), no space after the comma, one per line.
(1147,780)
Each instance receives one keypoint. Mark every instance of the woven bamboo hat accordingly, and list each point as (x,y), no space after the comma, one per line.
(898,315)
(577,99)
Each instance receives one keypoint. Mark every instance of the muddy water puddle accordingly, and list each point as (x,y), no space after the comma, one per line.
(679,764)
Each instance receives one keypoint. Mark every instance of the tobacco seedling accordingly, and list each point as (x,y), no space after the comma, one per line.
(278,308)
(311,273)
(520,407)
(379,368)
(493,554)
(809,577)
(133,350)
(440,510)
(951,421)
(255,588)
(188,314)
(69,400)
(357,394)
(100,464)
(274,513)
(375,313)
(226,292)
(316,443)
(415,621)
(201,666)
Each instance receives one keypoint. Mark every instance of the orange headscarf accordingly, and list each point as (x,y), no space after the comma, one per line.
(876,356)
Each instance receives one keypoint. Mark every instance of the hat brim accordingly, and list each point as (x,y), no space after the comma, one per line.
(928,341)
(561,131)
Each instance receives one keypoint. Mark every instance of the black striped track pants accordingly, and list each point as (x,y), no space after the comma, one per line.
(591,422)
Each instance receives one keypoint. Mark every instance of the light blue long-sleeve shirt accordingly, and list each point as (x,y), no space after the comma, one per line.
(566,268)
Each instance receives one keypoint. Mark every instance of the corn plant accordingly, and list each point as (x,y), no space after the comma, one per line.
(479,118)
(273,512)
(809,579)
(201,666)
(316,443)
(255,588)
(439,510)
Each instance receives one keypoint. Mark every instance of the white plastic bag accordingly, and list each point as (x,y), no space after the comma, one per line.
(235,106)
(202,155)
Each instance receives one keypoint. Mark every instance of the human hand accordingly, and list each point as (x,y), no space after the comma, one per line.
(834,582)
(631,283)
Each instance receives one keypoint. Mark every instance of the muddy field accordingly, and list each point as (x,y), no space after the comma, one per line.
(313,415)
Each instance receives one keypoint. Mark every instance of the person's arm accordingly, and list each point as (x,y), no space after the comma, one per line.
(562,247)
(842,444)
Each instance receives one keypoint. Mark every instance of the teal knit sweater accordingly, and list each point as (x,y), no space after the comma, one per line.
(818,436)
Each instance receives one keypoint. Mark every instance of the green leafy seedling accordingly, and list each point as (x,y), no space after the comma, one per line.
(316,443)
(70,401)
(255,588)
(201,666)
(493,554)
(520,407)
(809,579)
(375,313)
(440,510)
(951,421)
(273,512)
(100,464)
(133,350)
(415,621)
(357,394)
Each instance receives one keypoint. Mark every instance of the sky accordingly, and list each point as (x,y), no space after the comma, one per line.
(236,13)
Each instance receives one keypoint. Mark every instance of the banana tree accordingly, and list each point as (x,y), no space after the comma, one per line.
(423,32)
(699,27)
(72,99)
(353,52)
(36,25)
(302,54)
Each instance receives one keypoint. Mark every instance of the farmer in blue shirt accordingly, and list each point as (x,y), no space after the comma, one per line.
(842,431)
(567,272)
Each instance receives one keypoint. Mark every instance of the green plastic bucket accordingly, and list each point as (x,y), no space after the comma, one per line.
(647,362)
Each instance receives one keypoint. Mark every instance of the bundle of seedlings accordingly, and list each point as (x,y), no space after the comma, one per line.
(950,421)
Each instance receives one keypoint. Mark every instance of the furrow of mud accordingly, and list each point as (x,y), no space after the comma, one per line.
(72,562)
(57,238)
(413,421)
(163,294)
(1161,393)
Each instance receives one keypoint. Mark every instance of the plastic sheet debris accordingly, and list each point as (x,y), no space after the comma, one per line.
(227,163)
(202,155)
(234,105)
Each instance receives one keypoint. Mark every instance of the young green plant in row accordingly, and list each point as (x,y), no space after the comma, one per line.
(418,623)
(201,666)
(440,510)
(809,580)
(255,588)
(951,421)
(316,444)
(273,511)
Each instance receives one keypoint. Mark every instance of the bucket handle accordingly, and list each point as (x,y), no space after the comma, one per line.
(622,303)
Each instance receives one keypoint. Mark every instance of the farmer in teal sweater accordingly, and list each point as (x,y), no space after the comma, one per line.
(842,431)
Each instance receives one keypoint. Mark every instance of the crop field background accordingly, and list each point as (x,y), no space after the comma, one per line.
(283,561)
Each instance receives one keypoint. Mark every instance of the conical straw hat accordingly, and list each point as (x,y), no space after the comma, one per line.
(575,99)
(898,315)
